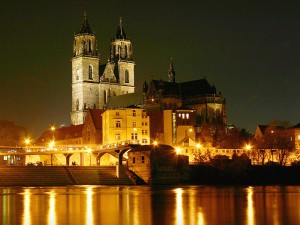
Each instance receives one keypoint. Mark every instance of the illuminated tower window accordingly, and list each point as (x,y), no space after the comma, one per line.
(90,72)
(126,76)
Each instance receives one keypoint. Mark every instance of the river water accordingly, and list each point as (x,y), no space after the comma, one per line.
(145,205)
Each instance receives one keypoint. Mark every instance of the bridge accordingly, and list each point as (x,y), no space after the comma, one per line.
(117,150)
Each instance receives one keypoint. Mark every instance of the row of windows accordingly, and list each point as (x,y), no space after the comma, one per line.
(134,136)
(118,124)
(133,113)
(184,115)
(90,72)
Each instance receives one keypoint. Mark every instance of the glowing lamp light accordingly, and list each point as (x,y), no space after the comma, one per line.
(51,144)
(178,150)
(190,130)
(155,143)
(248,147)
(27,141)
(89,150)
(198,145)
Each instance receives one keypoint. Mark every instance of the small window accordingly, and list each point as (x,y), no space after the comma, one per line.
(183,116)
(126,76)
(143,159)
(144,141)
(77,104)
(118,123)
(5,157)
(133,160)
(134,136)
(117,113)
(187,116)
(133,113)
(118,136)
(134,123)
(90,72)
(179,115)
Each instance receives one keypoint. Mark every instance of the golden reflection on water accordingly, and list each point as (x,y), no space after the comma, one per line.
(26,215)
(89,206)
(250,207)
(52,209)
(179,209)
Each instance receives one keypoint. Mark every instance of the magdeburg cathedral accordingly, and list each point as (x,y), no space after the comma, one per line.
(92,83)
(111,85)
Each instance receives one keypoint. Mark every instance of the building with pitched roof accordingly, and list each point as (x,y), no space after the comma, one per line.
(198,94)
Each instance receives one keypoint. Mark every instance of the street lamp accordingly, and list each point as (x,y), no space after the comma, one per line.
(53,129)
(27,142)
(178,150)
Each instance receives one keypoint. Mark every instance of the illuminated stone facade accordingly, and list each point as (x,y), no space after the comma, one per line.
(93,84)
(210,106)
(126,125)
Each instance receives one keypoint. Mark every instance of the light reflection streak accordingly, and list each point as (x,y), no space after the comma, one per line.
(200,217)
(179,211)
(89,206)
(250,207)
(51,212)
(26,215)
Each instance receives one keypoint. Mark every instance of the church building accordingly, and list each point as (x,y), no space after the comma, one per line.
(94,83)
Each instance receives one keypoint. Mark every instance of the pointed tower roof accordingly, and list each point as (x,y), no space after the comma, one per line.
(85,26)
(171,72)
(121,32)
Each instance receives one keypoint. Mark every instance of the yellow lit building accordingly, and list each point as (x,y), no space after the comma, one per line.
(126,125)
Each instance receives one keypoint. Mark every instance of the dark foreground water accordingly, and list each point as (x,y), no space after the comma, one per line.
(133,205)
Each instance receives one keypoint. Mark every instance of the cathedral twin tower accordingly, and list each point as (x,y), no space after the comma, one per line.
(92,83)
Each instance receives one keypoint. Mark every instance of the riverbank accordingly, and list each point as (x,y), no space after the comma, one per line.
(251,175)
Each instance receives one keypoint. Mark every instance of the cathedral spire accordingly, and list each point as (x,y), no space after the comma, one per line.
(85,26)
(121,32)
(171,73)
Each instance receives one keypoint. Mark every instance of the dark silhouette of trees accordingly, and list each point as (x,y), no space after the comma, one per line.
(10,133)
(277,140)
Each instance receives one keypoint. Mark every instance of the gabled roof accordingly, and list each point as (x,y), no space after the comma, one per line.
(123,101)
(96,117)
(185,89)
(169,88)
(296,126)
(85,26)
(62,133)
(196,87)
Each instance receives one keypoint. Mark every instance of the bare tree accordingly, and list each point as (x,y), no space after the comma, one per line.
(10,133)
(279,141)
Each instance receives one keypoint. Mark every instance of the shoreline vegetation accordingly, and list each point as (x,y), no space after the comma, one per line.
(251,175)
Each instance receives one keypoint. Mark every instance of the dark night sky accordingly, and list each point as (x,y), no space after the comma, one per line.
(250,50)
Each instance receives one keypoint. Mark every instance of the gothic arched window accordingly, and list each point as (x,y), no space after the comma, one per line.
(90,72)
(77,104)
(104,96)
(126,76)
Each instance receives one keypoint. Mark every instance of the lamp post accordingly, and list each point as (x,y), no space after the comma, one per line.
(248,147)
(27,142)
(53,130)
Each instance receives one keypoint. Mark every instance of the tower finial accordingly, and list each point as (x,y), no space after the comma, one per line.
(121,22)
(171,72)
